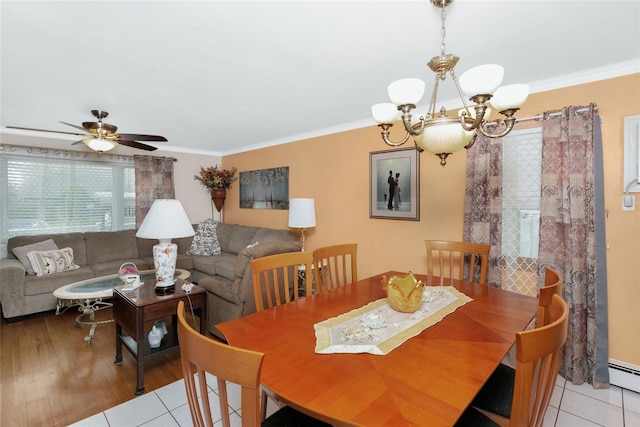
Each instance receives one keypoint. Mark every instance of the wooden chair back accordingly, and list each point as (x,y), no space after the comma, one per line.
(538,356)
(335,266)
(458,260)
(201,354)
(552,286)
(275,278)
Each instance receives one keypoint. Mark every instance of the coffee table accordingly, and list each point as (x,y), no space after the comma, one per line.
(136,311)
(90,295)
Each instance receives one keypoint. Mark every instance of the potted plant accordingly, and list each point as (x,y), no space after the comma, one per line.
(217,180)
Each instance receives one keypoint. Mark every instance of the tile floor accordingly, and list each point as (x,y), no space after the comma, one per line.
(571,405)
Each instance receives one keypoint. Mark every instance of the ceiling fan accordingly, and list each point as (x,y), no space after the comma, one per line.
(100,136)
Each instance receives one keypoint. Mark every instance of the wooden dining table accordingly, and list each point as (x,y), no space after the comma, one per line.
(428,380)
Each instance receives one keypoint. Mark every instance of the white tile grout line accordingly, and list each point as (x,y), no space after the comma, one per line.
(622,407)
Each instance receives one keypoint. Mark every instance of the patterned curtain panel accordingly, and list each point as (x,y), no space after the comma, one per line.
(154,180)
(483,202)
(568,233)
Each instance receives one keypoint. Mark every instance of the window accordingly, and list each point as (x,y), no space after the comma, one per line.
(521,183)
(54,191)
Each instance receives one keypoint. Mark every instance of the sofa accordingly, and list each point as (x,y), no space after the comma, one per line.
(226,276)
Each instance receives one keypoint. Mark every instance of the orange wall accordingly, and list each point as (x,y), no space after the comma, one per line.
(334,170)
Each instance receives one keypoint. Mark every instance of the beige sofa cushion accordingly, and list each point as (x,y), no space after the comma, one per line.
(73,240)
(111,246)
(21,252)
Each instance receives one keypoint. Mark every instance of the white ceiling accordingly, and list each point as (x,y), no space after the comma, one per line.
(225,76)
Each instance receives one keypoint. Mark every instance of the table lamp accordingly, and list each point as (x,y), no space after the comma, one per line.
(165,220)
(302,215)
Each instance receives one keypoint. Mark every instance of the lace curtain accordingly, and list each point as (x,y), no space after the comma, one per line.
(154,180)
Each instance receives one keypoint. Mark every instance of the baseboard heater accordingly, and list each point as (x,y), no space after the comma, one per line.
(624,375)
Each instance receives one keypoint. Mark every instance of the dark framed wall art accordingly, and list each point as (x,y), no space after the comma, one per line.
(395,184)
(265,188)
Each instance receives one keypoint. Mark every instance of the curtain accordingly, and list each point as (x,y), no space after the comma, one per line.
(483,200)
(568,239)
(154,180)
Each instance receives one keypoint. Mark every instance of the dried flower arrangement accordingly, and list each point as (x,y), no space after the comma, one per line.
(215,178)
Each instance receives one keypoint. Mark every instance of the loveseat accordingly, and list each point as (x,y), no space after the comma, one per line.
(226,276)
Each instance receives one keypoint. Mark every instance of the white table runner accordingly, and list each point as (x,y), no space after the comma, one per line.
(377,328)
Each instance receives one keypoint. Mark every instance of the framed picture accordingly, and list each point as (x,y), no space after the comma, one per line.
(265,188)
(395,184)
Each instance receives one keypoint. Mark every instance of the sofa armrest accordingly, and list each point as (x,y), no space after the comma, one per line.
(244,282)
(12,275)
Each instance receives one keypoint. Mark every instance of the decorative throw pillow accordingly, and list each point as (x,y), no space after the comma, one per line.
(21,252)
(49,262)
(205,242)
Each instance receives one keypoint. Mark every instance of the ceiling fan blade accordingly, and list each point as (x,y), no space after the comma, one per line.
(74,126)
(137,137)
(46,130)
(139,145)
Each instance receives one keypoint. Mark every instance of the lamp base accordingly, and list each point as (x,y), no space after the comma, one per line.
(165,290)
(164,260)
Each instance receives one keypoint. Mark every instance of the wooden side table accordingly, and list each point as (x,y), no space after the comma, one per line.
(134,313)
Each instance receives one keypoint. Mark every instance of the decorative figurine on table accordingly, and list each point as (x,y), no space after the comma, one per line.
(404,293)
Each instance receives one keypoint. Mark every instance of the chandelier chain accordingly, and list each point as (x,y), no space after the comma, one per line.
(443,31)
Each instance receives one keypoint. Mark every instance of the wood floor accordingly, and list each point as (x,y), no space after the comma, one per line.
(50,377)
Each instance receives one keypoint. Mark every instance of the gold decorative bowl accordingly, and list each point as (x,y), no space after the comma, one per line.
(404,293)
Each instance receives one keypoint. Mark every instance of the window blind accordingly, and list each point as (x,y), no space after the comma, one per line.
(61,192)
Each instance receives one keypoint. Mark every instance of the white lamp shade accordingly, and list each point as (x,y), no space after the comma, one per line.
(444,138)
(481,80)
(510,96)
(406,91)
(302,213)
(385,113)
(98,144)
(165,220)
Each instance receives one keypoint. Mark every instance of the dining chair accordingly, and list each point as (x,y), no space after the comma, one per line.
(275,278)
(201,355)
(552,286)
(521,397)
(335,266)
(458,260)
(275,281)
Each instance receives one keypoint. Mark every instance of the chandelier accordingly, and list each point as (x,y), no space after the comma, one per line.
(439,133)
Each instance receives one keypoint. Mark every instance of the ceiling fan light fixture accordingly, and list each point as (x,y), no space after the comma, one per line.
(98,144)
(100,136)
(442,135)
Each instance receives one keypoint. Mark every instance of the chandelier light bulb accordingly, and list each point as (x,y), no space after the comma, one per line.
(510,97)
(483,79)
(385,113)
(406,91)
(444,138)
